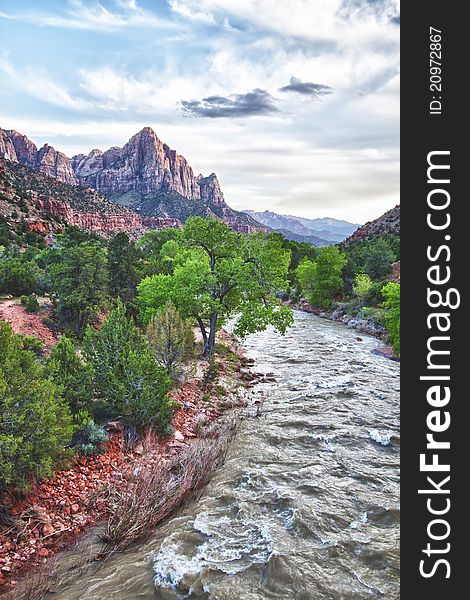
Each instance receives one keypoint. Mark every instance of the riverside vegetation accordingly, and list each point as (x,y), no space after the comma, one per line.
(125,313)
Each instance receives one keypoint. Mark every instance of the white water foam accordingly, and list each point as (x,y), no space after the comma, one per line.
(231,547)
(363,519)
(380,438)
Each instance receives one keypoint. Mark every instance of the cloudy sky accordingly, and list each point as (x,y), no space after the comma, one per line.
(294,103)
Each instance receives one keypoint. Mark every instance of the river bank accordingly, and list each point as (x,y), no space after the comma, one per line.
(306,503)
(339,315)
(54,514)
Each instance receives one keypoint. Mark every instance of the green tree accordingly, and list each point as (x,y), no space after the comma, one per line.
(299,251)
(68,370)
(18,276)
(35,422)
(321,280)
(378,259)
(391,291)
(306,274)
(151,245)
(171,338)
(225,273)
(362,287)
(79,284)
(123,261)
(127,378)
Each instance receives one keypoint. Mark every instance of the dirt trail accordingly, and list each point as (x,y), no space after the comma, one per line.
(12,311)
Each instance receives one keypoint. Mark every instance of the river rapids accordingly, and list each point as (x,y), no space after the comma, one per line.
(306,506)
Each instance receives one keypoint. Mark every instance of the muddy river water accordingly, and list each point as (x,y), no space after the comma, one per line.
(306,506)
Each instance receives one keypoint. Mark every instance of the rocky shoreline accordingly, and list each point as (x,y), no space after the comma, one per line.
(367,326)
(55,512)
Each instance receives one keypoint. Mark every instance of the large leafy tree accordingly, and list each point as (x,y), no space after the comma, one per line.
(35,422)
(128,380)
(79,279)
(151,245)
(321,280)
(223,273)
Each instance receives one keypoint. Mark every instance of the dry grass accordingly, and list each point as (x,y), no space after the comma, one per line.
(22,525)
(153,492)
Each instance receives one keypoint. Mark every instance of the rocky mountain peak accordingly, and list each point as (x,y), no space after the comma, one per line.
(144,174)
(25,149)
(210,188)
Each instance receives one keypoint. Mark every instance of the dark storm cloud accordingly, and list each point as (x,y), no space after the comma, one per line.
(307,88)
(257,102)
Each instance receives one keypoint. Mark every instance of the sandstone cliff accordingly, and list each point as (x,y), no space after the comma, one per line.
(145,165)
(18,148)
(145,175)
(44,204)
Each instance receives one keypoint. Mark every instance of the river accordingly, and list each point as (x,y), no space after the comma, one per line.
(306,506)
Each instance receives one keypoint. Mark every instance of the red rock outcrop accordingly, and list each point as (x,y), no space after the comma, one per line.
(144,174)
(160,222)
(121,221)
(7,149)
(25,150)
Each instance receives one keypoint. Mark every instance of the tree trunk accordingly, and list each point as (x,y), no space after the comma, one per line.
(205,340)
(211,340)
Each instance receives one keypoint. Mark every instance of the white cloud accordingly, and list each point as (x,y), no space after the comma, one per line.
(317,21)
(92,16)
(38,85)
(331,156)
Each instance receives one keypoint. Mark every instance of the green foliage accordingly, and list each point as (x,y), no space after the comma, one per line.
(123,259)
(151,244)
(362,287)
(127,378)
(306,273)
(321,280)
(391,291)
(68,370)
(79,284)
(34,239)
(18,276)
(89,439)
(299,251)
(35,422)
(31,343)
(171,338)
(218,273)
(30,303)
(373,257)
(74,236)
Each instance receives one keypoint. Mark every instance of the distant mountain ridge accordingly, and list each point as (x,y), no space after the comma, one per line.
(145,175)
(322,231)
